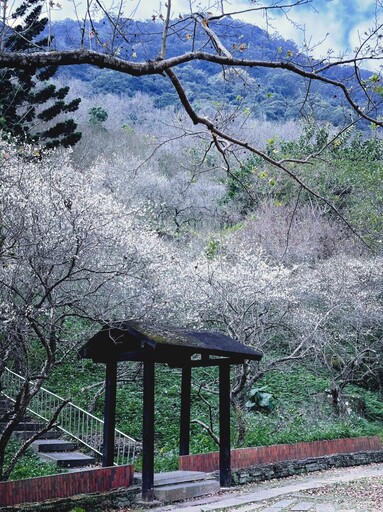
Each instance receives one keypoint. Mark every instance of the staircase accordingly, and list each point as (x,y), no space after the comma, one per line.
(180,485)
(83,428)
(49,447)
(61,452)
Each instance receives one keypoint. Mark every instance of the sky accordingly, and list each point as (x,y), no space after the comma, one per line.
(336,24)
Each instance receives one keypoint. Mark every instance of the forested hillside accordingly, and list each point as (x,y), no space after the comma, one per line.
(266,93)
(247,202)
(245,253)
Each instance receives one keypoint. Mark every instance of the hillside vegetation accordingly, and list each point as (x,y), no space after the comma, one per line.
(250,254)
(151,216)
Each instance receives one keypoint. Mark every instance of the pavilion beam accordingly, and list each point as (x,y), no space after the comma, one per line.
(224,425)
(185,410)
(203,363)
(148,432)
(109,414)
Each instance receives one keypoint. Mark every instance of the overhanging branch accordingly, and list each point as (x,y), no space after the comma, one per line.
(102,60)
(279,165)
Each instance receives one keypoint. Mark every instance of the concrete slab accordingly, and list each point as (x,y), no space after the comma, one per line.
(324,507)
(283,503)
(27,434)
(185,490)
(68,459)
(53,445)
(303,506)
(172,477)
(229,503)
(248,508)
(25,425)
(259,494)
(279,505)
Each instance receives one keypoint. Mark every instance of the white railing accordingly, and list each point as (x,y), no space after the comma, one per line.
(86,428)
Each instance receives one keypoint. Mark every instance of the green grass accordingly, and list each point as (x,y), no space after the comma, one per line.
(29,465)
(302,410)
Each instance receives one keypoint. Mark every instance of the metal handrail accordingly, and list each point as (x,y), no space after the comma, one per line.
(77,423)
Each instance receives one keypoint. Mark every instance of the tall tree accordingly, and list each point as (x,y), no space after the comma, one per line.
(31,108)
(72,255)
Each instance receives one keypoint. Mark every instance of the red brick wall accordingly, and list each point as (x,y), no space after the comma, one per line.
(246,457)
(36,490)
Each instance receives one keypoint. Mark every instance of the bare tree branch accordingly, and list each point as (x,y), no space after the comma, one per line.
(208,430)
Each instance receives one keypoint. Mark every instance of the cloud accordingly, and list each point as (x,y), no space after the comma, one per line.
(138,9)
(335,23)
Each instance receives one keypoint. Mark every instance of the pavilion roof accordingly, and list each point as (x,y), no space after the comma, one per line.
(137,341)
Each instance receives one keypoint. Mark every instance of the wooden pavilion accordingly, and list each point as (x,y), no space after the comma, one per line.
(179,348)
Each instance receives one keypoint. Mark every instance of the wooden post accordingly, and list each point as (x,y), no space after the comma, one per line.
(148,432)
(109,414)
(224,425)
(185,411)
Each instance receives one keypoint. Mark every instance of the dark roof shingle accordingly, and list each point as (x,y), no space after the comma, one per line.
(135,340)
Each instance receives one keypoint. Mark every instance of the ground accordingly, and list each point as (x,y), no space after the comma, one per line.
(357,489)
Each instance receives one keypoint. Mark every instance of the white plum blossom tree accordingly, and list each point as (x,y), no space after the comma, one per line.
(341,299)
(326,314)
(71,255)
(75,243)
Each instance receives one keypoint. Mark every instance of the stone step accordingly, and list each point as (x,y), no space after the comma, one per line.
(186,490)
(5,408)
(25,419)
(30,426)
(26,434)
(172,477)
(67,459)
(53,445)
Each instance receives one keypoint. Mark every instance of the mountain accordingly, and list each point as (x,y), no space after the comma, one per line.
(273,94)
